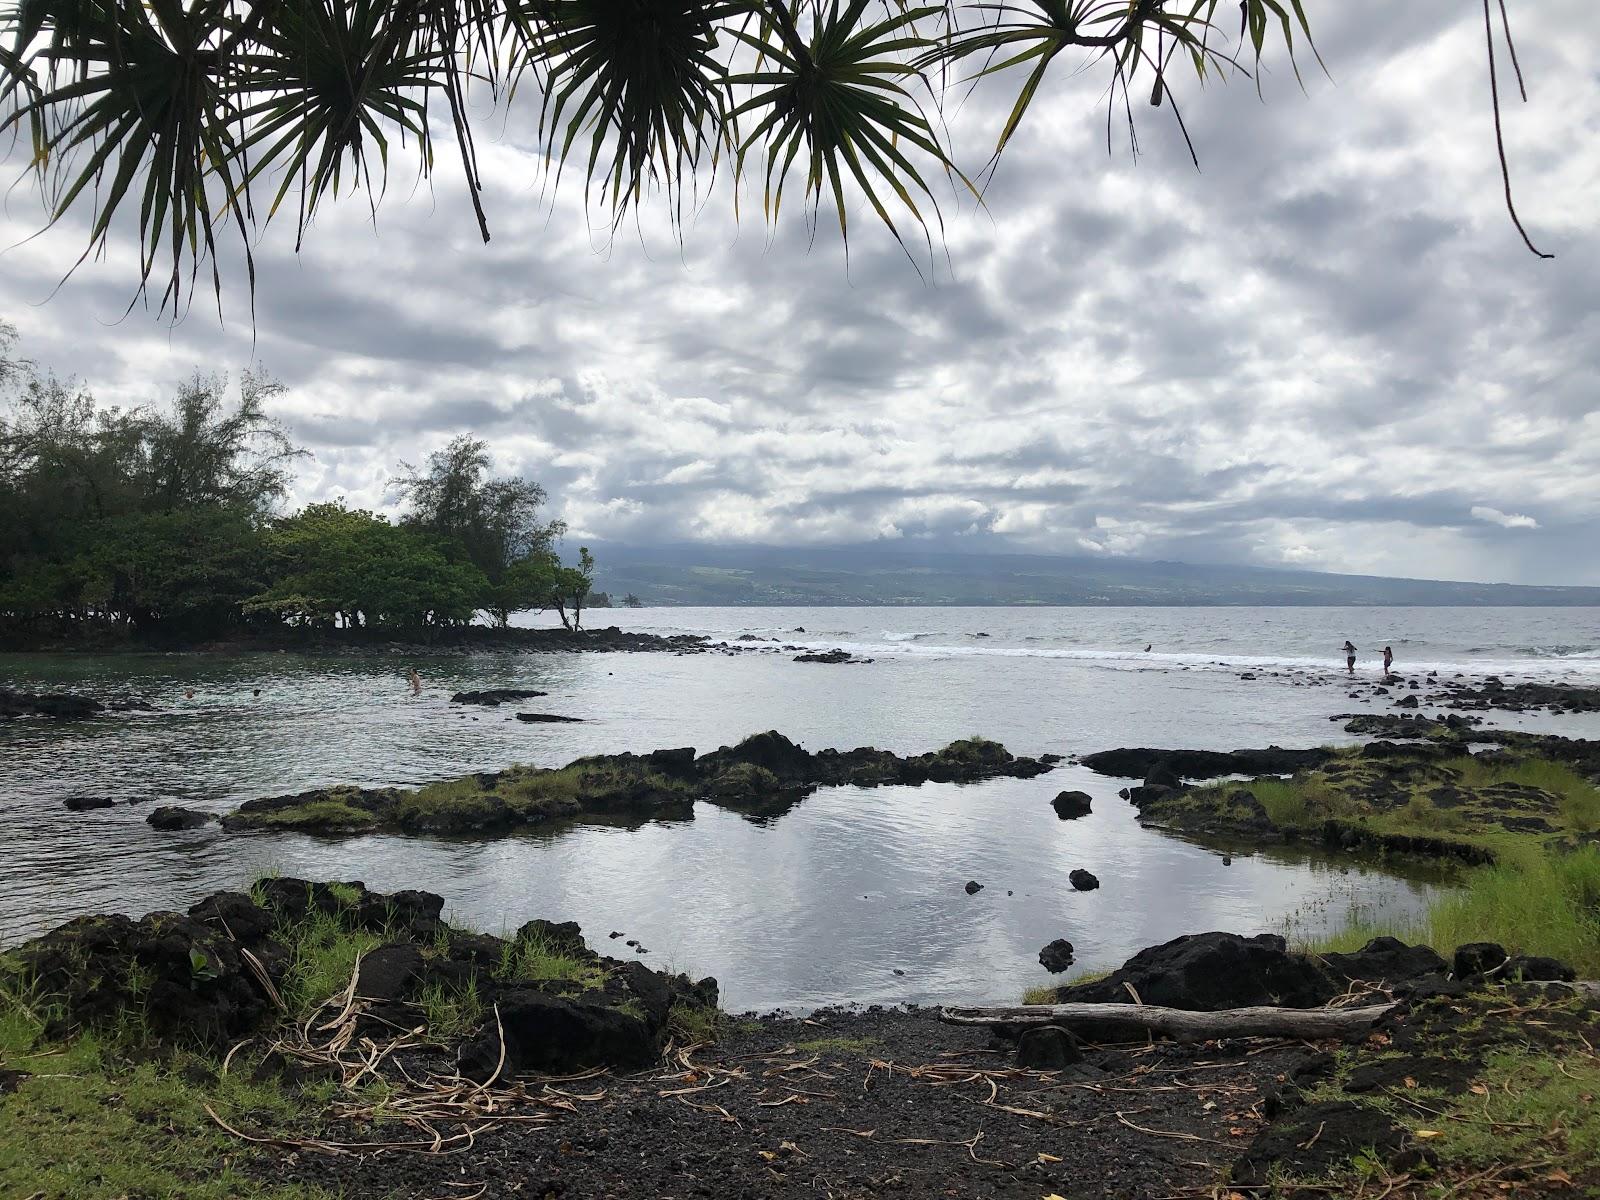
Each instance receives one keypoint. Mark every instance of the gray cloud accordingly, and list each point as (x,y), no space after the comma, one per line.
(1324,348)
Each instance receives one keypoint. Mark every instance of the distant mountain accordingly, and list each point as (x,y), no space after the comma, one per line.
(692,574)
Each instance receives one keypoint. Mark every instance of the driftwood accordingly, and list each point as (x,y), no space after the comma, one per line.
(1176,1022)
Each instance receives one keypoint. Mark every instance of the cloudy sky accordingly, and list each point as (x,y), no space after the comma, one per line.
(1327,348)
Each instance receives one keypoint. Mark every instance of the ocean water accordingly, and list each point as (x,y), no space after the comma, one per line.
(856,895)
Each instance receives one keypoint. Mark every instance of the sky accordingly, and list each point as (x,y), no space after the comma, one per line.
(1326,348)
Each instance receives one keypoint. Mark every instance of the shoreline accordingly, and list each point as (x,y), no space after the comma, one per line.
(359,641)
(310,1039)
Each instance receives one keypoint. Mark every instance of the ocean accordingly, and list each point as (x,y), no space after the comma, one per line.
(854,896)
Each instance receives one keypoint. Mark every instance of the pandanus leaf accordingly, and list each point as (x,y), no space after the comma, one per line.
(124,102)
(841,98)
(639,81)
(323,85)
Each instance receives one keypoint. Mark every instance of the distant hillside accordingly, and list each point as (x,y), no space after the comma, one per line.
(689,574)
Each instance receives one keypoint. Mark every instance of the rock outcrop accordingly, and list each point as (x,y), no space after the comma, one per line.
(216,974)
(60,706)
(760,777)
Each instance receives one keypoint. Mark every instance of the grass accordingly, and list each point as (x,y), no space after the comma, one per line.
(323,949)
(451,1011)
(1580,799)
(1045,993)
(89,1124)
(694,1024)
(856,1047)
(1530,1106)
(534,959)
(1530,902)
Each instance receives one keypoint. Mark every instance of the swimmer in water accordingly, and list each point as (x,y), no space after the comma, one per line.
(1147,648)
(416,682)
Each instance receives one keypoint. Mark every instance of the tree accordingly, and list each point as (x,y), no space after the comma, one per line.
(571,589)
(494,521)
(141,516)
(333,566)
(210,116)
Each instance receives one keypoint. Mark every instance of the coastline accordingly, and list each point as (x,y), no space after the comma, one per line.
(309,1040)
(464,639)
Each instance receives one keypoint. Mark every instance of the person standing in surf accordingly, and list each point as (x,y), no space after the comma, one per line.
(1388,661)
(1349,657)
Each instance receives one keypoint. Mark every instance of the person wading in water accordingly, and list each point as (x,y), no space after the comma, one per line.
(1349,657)
(415,680)
(1388,661)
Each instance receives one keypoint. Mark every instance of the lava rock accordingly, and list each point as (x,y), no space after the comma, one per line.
(1162,775)
(553,1033)
(1136,762)
(973,887)
(827,656)
(1316,1139)
(1478,958)
(1057,956)
(58,707)
(1540,970)
(1070,805)
(170,817)
(390,972)
(1047,1048)
(494,697)
(86,803)
(1082,881)
(1210,972)
(1385,960)
(548,719)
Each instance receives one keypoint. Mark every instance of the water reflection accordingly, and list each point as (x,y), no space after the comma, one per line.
(820,902)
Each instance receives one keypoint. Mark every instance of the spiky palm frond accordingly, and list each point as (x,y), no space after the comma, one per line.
(638,76)
(166,114)
(117,91)
(841,97)
(1033,33)
(322,86)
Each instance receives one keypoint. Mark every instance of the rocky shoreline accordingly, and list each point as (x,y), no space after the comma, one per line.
(444,641)
(1449,790)
(307,1036)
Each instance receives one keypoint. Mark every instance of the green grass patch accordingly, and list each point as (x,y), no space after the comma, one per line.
(534,959)
(1531,902)
(855,1047)
(323,949)
(531,792)
(1530,1106)
(1044,993)
(695,1024)
(87,1124)
(451,1011)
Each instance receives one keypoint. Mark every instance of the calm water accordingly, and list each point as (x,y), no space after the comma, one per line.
(826,903)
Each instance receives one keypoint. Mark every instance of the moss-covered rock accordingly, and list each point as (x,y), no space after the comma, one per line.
(761,777)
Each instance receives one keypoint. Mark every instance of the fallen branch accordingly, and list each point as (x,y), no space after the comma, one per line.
(1178,1023)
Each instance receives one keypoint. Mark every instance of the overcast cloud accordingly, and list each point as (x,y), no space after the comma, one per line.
(1325,349)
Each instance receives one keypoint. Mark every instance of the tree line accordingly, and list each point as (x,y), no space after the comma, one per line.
(169,520)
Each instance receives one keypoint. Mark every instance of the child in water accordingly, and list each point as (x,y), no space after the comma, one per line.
(415,680)
(1349,657)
